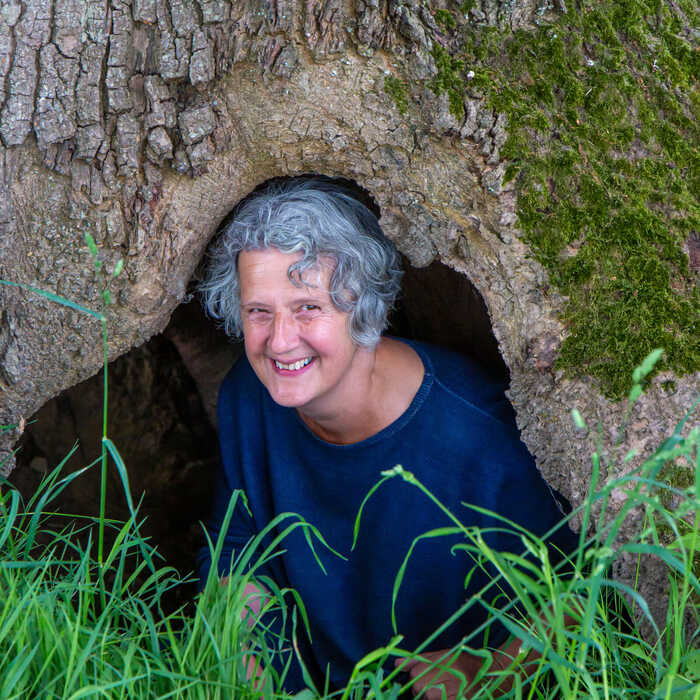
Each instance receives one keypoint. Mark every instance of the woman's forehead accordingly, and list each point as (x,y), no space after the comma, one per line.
(267,268)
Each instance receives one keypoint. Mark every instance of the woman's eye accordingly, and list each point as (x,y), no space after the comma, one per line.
(309,307)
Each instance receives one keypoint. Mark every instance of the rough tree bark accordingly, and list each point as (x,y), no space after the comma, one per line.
(143,122)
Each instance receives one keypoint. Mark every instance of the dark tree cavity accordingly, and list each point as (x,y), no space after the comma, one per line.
(164,436)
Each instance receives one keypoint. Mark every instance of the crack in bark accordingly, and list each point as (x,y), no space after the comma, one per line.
(7,50)
(173,53)
(324,27)
(31,32)
(213,11)
(119,71)
(55,105)
(202,60)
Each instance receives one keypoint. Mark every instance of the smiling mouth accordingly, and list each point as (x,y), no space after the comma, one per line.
(294,366)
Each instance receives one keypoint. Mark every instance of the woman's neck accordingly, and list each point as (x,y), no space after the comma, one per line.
(378,393)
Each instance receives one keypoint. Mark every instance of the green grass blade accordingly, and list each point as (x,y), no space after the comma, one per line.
(9,516)
(667,557)
(55,298)
(360,510)
(123,475)
(398,580)
(45,498)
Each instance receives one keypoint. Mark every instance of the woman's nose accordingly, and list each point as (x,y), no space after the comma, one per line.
(283,334)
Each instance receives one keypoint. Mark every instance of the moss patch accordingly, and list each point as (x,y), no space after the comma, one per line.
(449,79)
(603,144)
(680,476)
(396,89)
(445,19)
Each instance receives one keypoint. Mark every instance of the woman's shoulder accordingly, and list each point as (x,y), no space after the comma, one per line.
(465,380)
(239,384)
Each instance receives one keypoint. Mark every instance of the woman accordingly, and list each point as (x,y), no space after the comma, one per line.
(322,403)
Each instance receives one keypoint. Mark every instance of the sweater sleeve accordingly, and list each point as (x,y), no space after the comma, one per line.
(240,435)
(229,483)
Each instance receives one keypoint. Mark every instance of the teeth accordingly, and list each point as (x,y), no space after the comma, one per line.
(295,365)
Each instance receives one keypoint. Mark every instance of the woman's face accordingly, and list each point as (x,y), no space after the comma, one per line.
(296,340)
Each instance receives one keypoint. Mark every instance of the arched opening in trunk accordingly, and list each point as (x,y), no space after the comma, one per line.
(162,402)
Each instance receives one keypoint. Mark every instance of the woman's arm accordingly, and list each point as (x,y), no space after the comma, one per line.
(454,667)
(254,597)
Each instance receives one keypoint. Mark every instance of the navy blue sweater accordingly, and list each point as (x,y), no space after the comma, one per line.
(458,437)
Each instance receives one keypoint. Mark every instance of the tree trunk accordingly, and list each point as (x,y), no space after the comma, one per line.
(143,122)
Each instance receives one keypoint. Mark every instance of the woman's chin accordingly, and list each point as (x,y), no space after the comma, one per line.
(289,399)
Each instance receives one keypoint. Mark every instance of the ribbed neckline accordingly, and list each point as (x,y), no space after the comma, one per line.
(400,422)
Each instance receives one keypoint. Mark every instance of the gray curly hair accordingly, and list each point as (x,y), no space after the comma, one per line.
(319,218)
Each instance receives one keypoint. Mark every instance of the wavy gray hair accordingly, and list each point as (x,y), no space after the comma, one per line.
(317,217)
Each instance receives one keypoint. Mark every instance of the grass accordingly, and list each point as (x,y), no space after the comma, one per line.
(82,619)
(73,627)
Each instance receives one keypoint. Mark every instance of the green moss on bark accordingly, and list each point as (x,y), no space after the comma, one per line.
(397,90)
(445,19)
(680,477)
(603,144)
(449,79)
